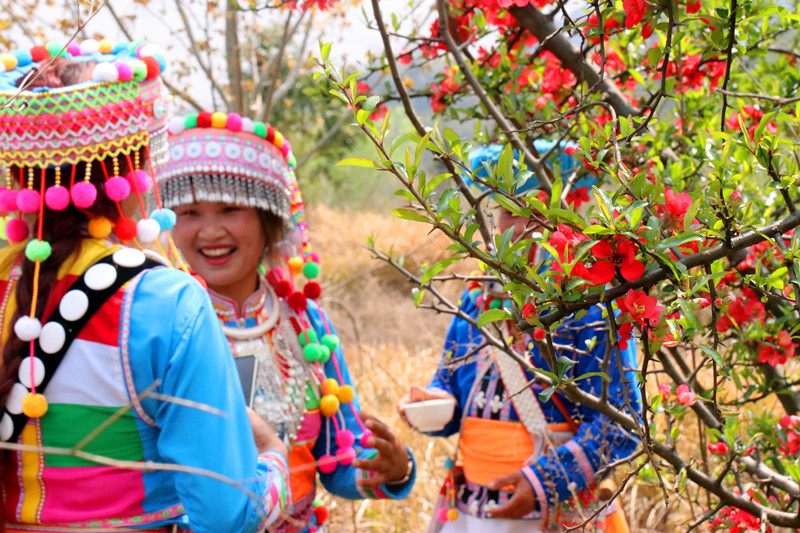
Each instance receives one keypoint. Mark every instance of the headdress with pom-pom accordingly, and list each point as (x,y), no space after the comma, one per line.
(119,113)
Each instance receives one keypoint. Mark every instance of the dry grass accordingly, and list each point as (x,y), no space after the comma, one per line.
(390,344)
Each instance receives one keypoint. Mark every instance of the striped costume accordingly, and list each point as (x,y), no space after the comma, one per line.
(157,333)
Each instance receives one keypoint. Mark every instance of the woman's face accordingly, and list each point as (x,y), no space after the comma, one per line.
(223,244)
(523,227)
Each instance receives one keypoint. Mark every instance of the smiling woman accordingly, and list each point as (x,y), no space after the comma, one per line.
(237,202)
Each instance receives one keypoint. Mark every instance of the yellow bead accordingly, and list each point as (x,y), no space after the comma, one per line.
(278,139)
(452,514)
(331,386)
(34,405)
(345,394)
(296,265)
(9,61)
(218,119)
(100,227)
(105,46)
(328,405)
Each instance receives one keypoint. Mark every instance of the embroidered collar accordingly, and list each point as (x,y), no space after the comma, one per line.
(253,306)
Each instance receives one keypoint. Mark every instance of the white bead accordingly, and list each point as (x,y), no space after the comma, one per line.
(147,230)
(25,372)
(52,338)
(27,328)
(73,305)
(176,125)
(128,257)
(247,125)
(100,276)
(6,427)
(14,402)
(89,46)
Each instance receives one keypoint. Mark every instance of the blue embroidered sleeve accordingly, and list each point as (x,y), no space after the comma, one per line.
(572,466)
(177,344)
(342,481)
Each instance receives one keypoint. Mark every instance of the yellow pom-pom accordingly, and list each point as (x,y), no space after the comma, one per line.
(452,514)
(296,265)
(34,405)
(218,119)
(345,394)
(328,405)
(105,46)
(278,139)
(100,227)
(331,386)
(9,61)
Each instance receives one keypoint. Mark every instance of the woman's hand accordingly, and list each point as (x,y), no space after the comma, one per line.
(419,394)
(523,501)
(266,438)
(391,463)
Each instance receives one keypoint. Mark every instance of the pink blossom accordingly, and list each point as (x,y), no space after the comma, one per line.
(685,395)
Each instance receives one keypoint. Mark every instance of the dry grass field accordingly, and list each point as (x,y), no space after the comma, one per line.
(389,344)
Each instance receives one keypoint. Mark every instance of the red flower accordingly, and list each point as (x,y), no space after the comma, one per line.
(677,204)
(789,421)
(528,310)
(625,332)
(771,356)
(622,255)
(692,6)
(405,57)
(647,30)
(578,196)
(634,9)
(640,307)
(792,444)
(718,447)
(665,390)
(685,395)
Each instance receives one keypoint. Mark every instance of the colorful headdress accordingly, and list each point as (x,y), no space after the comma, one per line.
(219,157)
(50,131)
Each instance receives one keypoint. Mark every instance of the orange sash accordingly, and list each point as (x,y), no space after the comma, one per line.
(490,449)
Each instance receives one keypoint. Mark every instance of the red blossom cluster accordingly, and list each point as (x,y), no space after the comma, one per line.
(693,72)
(636,10)
(735,520)
(751,118)
(719,448)
(790,444)
(777,349)
(683,394)
(742,310)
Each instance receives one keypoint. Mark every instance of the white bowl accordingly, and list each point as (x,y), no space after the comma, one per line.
(430,415)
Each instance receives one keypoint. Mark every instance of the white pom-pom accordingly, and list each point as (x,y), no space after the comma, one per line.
(247,125)
(295,237)
(147,230)
(150,49)
(89,46)
(27,328)
(105,72)
(176,125)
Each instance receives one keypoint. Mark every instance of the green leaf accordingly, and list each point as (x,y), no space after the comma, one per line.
(357,162)
(563,365)
(410,214)
(325,51)
(362,115)
(678,240)
(545,395)
(338,94)
(371,102)
(493,315)
(437,267)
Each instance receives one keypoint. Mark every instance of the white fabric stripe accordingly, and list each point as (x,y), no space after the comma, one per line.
(89,374)
(469,524)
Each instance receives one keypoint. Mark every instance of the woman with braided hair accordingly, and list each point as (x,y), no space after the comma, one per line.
(116,384)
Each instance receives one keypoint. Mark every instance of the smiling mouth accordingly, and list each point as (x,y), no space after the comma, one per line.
(217,253)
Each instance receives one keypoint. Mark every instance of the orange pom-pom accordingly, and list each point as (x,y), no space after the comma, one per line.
(328,405)
(296,265)
(100,227)
(345,394)
(34,405)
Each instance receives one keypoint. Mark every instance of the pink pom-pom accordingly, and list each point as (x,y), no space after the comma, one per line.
(124,70)
(118,188)
(28,200)
(83,194)
(327,464)
(346,455)
(74,49)
(56,198)
(17,230)
(139,180)
(365,437)
(313,257)
(345,438)
(234,122)
(8,200)
(441,515)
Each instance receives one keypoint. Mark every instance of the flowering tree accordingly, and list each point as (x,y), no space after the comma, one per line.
(679,220)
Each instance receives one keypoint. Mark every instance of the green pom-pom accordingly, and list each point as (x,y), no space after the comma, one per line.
(139,70)
(292,161)
(3,229)
(37,250)
(54,47)
(325,355)
(190,121)
(312,352)
(494,304)
(317,502)
(331,341)
(311,270)
(260,129)
(308,336)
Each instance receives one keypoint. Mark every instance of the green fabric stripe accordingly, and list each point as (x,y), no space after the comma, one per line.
(65,425)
